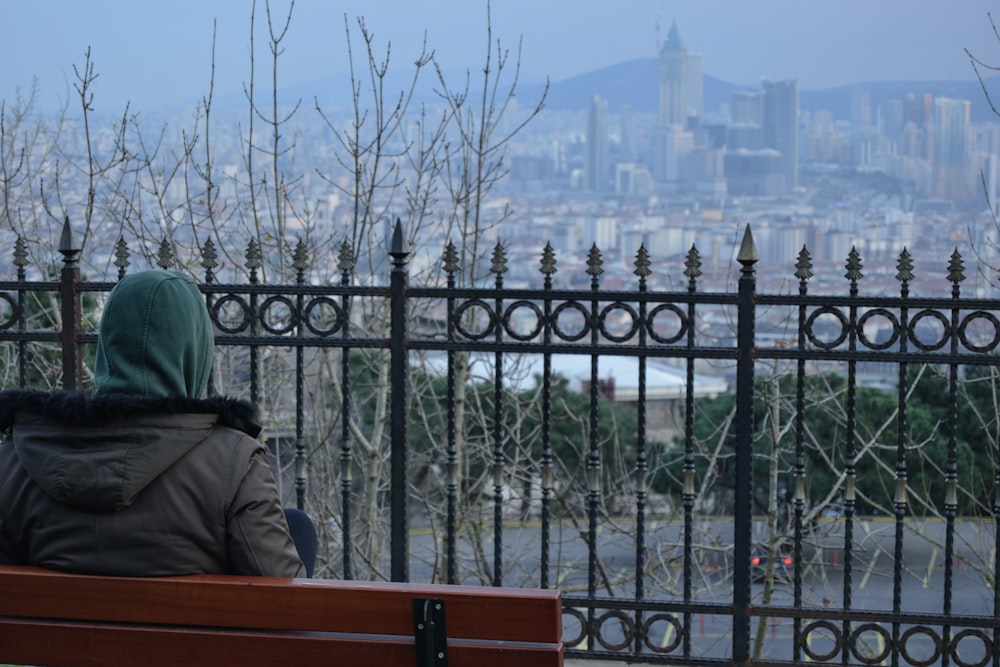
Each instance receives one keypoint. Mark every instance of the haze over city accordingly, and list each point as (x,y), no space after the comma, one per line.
(833,126)
(158,54)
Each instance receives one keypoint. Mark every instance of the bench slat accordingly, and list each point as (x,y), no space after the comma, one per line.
(281,604)
(88,645)
(55,619)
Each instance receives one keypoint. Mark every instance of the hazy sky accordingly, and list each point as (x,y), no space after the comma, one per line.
(153,51)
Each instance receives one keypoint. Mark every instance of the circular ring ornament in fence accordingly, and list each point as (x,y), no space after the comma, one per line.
(221,307)
(806,645)
(566,307)
(15,312)
(510,311)
(571,642)
(886,643)
(973,317)
(945,333)
(811,323)
(981,636)
(267,318)
(877,312)
(314,312)
(927,632)
(632,327)
(682,326)
(468,306)
(628,629)
(675,636)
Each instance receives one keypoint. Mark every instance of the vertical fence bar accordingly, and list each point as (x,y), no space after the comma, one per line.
(743,519)
(956,275)
(300,263)
(692,270)
(72,312)
(594,270)
(803,271)
(900,502)
(498,268)
(209,262)
(399,364)
(345,262)
(853,274)
(254,262)
(21,261)
(548,269)
(642,270)
(451,266)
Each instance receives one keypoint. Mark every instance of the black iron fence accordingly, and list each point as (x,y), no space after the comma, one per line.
(831,497)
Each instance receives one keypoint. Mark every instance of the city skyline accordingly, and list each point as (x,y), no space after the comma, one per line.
(820,44)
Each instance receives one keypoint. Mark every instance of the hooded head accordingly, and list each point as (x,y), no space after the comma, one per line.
(156,337)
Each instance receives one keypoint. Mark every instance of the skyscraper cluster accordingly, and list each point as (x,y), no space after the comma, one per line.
(927,143)
(757,155)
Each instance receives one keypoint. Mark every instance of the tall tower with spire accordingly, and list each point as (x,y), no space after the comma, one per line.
(673,108)
(680,83)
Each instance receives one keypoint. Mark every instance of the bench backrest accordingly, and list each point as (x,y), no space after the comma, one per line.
(60,619)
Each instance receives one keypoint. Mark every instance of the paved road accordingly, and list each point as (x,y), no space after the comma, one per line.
(823,574)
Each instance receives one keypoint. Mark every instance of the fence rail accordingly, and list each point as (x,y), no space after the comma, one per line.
(688,590)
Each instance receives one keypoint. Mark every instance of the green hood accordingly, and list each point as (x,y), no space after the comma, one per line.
(156,337)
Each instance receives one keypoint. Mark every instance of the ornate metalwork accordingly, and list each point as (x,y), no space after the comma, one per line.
(165,255)
(121,257)
(951,332)
(346,260)
(13,312)
(692,265)
(209,259)
(20,253)
(300,258)
(449,259)
(854,266)
(803,267)
(956,268)
(254,257)
(498,265)
(904,267)
(595,264)
(642,262)
(548,268)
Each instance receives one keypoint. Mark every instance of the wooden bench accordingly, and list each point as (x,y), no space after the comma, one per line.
(48,618)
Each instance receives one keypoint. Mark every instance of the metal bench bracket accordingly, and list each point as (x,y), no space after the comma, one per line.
(429,632)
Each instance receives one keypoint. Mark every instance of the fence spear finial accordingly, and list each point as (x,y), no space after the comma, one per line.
(399,247)
(748,249)
(67,244)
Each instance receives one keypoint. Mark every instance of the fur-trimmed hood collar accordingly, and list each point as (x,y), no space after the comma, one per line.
(79,409)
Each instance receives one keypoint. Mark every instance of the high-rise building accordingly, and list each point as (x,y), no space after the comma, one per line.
(680,78)
(861,109)
(673,108)
(627,131)
(696,84)
(952,132)
(747,106)
(746,120)
(598,164)
(781,125)
(952,150)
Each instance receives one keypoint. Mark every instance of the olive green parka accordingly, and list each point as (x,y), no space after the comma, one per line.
(145,477)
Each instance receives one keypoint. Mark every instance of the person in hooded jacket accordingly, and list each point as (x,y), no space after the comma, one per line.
(145,477)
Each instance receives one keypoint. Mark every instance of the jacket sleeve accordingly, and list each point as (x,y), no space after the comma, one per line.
(257,534)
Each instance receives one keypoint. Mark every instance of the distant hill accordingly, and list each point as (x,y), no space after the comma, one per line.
(635,83)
